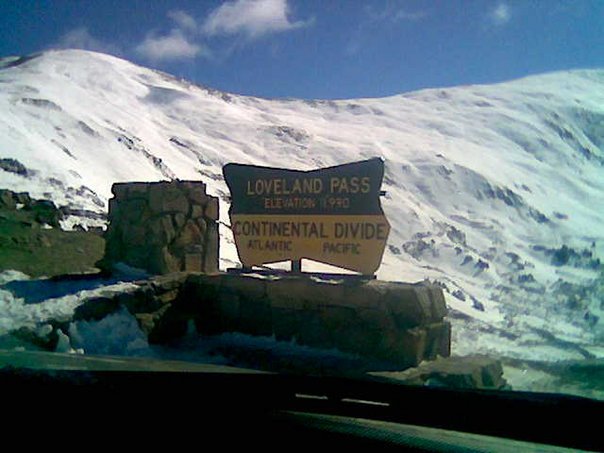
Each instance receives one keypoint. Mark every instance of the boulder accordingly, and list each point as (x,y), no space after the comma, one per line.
(7,200)
(163,325)
(470,372)
(96,308)
(45,211)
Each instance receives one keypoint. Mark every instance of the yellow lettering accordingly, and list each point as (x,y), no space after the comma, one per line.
(297,188)
(333,184)
(344,185)
(365,186)
(317,186)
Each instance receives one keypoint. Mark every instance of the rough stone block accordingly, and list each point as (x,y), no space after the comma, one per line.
(196,211)
(7,200)
(167,324)
(227,306)
(412,347)
(114,208)
(202,225)
(212,209)
(137,190)
(23,198)
(179,219)
(212,249)
(256,317)
(193,262)
(287,294)
(167,198)
(134,234)
(96,308)
(195,192)
(285,323)
(170,282)
(161,261)
(142,300)
(375,318)
(358,338)
(470,372)
(248,287)
(190,234)
(438,303)
(304,294)
(409,304)
(312,331)
(120,190)
(370,295)
(136,256)
(438,340)
(160,230)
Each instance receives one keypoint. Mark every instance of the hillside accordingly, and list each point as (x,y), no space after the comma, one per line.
(496,192)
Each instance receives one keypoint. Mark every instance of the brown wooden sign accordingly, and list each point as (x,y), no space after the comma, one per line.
(331,215)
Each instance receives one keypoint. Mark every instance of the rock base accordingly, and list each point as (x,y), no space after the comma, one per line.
(397,323)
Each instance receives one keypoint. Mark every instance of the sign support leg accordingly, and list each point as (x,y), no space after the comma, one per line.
(297,266)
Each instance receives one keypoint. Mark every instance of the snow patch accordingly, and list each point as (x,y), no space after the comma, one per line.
(34,308)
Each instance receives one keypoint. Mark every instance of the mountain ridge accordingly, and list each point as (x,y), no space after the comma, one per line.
(485,183)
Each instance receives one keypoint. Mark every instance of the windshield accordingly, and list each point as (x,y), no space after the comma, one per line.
(416,192)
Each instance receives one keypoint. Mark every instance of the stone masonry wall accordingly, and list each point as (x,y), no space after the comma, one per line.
(162,227)
(396,323)
(399,323)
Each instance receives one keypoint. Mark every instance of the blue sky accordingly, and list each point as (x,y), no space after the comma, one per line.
(326,49)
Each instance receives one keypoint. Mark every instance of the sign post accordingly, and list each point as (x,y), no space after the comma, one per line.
(331,215)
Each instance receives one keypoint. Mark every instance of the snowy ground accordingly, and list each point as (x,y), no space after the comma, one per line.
(496,192)
(541,367)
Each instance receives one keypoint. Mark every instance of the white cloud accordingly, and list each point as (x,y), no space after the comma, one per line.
(391,13)
(501,15)
(174,46)
(253,18)
(376,18)
(80,38)
(183,20)
(402,14)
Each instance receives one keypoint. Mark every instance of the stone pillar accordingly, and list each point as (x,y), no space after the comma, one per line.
(162,227)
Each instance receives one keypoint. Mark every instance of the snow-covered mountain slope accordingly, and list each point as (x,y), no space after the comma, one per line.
(497,192)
